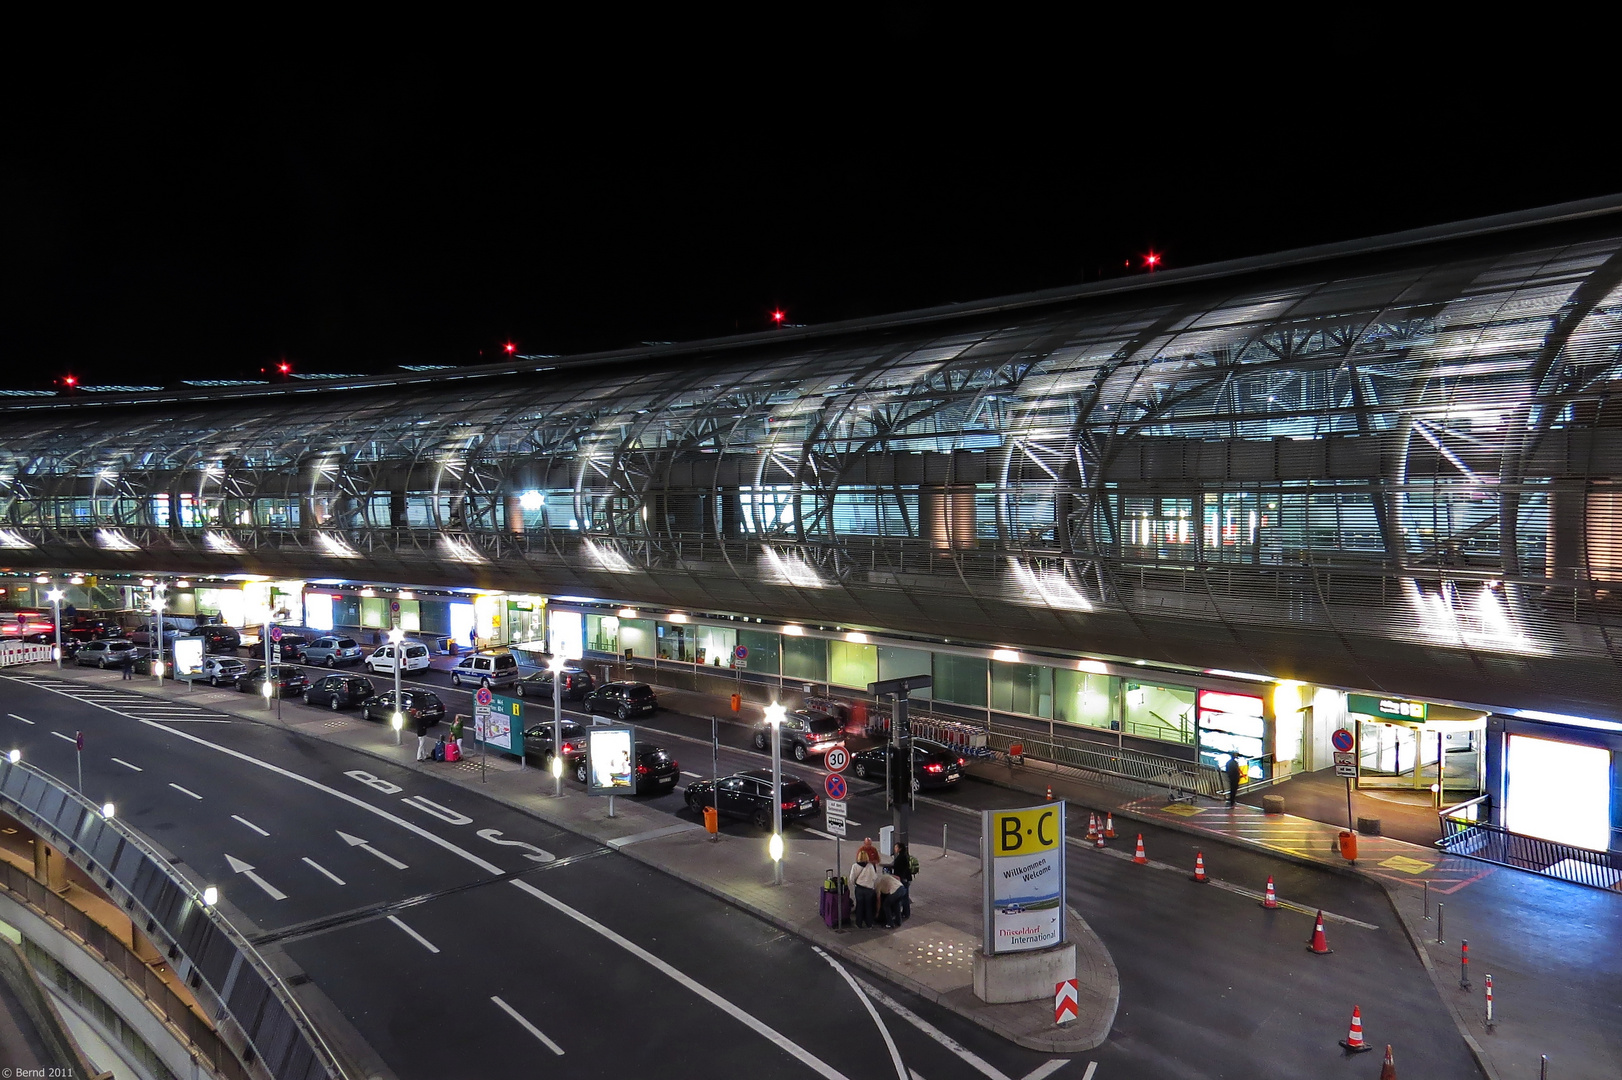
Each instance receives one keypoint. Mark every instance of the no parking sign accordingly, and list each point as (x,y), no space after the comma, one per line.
(834,785)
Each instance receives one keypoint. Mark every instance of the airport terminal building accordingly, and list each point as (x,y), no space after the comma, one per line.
(1222,510)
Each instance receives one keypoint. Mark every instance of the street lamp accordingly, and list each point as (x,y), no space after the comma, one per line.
(775,715)
(107,811)
(395,637)
(398,721)
(55,596)
(211,896)
(555,665)
(157,606)
(15,756)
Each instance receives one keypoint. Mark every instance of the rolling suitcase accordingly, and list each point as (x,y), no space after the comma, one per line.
(833,903)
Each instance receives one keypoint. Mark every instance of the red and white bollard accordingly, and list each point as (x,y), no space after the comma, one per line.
(1490,1020)
(1464,965)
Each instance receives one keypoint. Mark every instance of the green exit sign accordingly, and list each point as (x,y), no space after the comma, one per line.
(1386,708)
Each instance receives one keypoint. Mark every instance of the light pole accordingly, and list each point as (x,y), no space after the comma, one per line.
(555,665)
(775,715)
(395,637)
(55,596)
(157,605)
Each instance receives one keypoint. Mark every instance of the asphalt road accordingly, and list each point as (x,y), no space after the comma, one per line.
(1212,986)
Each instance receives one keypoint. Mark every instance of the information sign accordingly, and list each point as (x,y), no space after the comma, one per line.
(837,759)
(834,819)
(834,785)
(1387,708)
(1022,865)
(498,725)
(611,760)
(1348,771)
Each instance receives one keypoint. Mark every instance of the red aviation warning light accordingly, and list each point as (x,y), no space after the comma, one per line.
(778,315)
(509,348)
(1152,261)
(69,381)
(284,367)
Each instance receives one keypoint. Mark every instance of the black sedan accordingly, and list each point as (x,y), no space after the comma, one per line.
(622,700)
(288,681)
(576,685)
(538,747)
(933,765)
(749,795)
(339,691)
(414,703)
(293,646)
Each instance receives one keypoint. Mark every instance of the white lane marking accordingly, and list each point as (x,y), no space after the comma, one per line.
(324,870)
(684,772)
(529,1027)
(185,791)
(24,719)
(424,942)
(246,870)
(69,738)
(867,1003)
(916,1075)
(978,1062)
(250,825)
(1048,1068)
(355,841)
(760,1027)
(410,826)
(1092,1067)
(819,832)
(535,854)
(127,765)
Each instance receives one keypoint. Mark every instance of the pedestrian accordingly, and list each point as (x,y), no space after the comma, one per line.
(473,639)
(377,639)
(864,876)
(1233,779)
(890,889)
(869,849)
(456,732)
(126,670)
(423,749)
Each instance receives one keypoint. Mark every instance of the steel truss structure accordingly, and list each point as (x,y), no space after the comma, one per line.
(1392,465)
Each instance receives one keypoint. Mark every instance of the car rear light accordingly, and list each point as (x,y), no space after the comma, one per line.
(933,767)
(642,770)
(675,765)
(789,804)
(962,761)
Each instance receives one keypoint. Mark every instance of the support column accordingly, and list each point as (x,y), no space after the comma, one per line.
(50,869)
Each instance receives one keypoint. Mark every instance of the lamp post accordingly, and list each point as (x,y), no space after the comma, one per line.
(555,665)
(395,637)
(157,606)
(55,596)
(775,714)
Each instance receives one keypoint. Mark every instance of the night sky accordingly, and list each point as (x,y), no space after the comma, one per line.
(190,227)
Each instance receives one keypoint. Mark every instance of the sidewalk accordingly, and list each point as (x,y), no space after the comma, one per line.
(931,956)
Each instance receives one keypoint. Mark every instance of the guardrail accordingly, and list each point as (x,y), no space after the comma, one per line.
(256,1014)
(1108,763)
(1467,832)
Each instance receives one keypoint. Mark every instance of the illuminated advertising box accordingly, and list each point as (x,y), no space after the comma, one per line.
(611,760)
(1022,866)
(188,657)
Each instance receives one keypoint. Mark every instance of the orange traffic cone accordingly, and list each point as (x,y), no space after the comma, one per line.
(1050,793)
(1140,857)
(1092,826)
(1354,1042)
(1271,899)
(1199,867)
(1388,1071)
(1109,824)
(1319,944)
(1098,841)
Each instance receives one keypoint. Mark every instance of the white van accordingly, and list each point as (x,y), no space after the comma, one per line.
(414,657)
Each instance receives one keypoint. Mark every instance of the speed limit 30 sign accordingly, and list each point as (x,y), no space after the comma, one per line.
(837,759)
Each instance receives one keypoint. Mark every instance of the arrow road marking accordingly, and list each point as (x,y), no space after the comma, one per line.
(355,841)
(324,870)
(240,867)
(529,1027)
(127,765)
(424,942)
(250,825)
(539,854)
(24,719)
(184,791)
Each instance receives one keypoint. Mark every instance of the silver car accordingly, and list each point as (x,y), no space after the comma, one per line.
(333,650)
(108,653)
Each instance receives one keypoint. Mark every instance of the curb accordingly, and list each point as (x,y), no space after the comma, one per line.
(1086,1040)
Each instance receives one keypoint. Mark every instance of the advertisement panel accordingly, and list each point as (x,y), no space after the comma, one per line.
(1022,865)
(611,760)
(500,725)
(188,656)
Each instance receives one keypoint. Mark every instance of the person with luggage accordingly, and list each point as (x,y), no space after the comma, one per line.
(890,890)
(422,738)
(456,733)
(864,875)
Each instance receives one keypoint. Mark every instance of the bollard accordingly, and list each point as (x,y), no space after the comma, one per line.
(943,839)
(1490,1020)
(1464,964)
(1543,1067)
(1440,940)
(1426,901)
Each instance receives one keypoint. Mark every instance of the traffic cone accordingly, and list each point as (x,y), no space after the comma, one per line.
(1140,857)
(1092,826)
(1354,1042)
(1388,1071)
(1319,944)
(1109,824)
(1271,899)
(1199,867)
(1050,793)
(1098,841)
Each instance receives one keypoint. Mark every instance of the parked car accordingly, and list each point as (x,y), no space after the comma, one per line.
(486,669)
(656,770)
(289,681)
(222,669)
(333,650)
(622,700)
(749,795)
(108,652)
(293,648)
(577,683)
(339,691)
(414,703)
(803,734)
(538,747)
(414,658)
(218,638)
(933,765)
(91,629)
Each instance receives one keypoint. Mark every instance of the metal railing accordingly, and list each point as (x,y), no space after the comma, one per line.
(256,1014)
(1109,764)
(1467,831)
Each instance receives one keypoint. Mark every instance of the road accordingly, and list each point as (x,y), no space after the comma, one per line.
(1208,979)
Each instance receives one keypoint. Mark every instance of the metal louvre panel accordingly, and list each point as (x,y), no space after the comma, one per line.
(1398,469)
